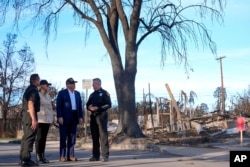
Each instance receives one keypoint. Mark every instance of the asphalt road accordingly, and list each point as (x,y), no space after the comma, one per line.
(9,156)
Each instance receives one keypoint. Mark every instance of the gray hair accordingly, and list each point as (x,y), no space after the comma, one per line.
(98,80)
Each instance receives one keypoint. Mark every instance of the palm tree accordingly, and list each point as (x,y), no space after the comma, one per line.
(185,100)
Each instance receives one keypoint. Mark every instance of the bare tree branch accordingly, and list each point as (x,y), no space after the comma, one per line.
(123,18)
(175,22)
(14,69)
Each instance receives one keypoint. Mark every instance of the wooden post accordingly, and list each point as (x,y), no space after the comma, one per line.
(171,118)
(174,102)
(145,113)
(86,118)
(150,108)
(86,84)
(241,137)
(157,112)
(222,86)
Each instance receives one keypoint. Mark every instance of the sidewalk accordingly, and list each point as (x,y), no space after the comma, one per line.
(217,154)
(209,151)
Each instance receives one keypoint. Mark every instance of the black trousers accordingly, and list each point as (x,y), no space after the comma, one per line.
(28,139)
(42,132)
(99,132)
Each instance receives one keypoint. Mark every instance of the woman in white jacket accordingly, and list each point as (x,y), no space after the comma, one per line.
(45,118)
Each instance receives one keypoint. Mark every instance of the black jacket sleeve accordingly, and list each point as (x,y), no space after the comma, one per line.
(106,104)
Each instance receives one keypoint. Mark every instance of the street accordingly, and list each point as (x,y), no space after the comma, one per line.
(9,153)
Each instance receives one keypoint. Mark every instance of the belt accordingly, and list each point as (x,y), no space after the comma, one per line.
(74,110)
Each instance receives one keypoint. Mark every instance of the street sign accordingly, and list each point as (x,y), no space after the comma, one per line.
(241,127)
(86,83)
(241,123)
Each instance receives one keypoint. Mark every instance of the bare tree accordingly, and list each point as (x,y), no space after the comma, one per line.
(191,101)
(241,103)
(185,100)
(15,66)
(138,19)
(217,95)
(204,108)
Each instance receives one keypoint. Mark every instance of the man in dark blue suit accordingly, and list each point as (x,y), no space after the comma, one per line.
(69,114)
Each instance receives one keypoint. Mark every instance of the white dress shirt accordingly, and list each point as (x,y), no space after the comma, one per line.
(72,99)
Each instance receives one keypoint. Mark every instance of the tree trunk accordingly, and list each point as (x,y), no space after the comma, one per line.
(124,75)
(4,124)
(125,89)
(128,123)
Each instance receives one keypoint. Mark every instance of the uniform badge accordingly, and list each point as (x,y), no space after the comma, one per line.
(100,94)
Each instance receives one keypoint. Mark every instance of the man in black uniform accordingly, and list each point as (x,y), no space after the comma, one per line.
(31,105)
(98,103)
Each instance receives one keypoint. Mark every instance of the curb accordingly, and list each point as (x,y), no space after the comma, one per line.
(10,141)
(181,151)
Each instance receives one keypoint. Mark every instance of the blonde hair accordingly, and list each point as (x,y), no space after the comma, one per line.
(39,88)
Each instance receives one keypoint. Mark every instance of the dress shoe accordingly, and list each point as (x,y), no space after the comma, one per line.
(105,159)
(29,163)
(41,158)
(20,162)
(72,159)
(62,159)
(94,159)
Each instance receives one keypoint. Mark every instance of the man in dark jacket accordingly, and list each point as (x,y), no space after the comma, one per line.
(69,114)
(98,103)
(31,105)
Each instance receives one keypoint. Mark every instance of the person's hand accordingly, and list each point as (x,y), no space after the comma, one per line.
(34,124)
(60,120)
(92,108)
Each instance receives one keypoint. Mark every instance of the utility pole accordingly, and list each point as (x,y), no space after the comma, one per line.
(222,86)
(150,108)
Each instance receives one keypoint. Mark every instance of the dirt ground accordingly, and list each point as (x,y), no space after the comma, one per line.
(189,138)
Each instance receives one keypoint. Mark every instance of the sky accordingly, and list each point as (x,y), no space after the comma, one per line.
(69,56)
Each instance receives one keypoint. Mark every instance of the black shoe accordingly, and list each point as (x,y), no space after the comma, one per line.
(41,158)
(105,159)
(20,162)
(94,159)
(29,163)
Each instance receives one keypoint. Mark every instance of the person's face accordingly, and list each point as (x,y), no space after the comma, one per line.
(37,82)
(96,85)
(71,86)
(45,87)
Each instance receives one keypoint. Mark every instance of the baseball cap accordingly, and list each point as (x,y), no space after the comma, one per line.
(44,82)
(70,81)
